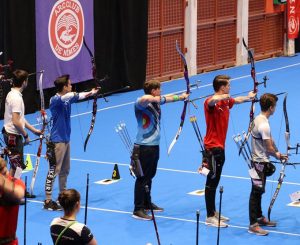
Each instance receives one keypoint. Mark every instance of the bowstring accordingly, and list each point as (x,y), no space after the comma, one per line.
(79,121)
(164,130)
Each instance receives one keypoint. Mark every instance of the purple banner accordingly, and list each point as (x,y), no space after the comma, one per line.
(60,27)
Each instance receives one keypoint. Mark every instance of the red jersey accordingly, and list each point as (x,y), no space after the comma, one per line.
(217,118)
(9,215)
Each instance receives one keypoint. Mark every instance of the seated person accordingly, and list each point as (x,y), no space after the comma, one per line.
(66,230)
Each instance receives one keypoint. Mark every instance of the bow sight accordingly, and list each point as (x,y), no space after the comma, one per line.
(295,148)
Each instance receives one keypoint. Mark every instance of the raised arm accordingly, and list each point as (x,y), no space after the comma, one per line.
(146,99)
(242,99)
(216,98)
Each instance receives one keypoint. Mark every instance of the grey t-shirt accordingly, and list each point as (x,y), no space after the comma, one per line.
(260,132)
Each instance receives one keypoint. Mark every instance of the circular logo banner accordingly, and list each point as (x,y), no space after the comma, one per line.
(66,29)
(293,25)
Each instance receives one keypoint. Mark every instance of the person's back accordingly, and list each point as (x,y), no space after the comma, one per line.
(76,234)
(66,230)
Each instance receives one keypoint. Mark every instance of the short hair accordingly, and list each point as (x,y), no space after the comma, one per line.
(61,81)
(267,100)
(151,84)
(220,80)
(19,76)
(68,199)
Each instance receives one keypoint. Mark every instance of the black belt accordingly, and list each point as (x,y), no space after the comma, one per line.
(5,132)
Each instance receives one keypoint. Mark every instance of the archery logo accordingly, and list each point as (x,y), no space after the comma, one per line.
(66,29)
(293,25)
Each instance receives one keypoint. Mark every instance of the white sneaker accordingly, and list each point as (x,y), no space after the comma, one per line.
(223,218)
(213,221)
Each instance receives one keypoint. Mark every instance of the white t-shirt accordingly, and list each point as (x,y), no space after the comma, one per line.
(13,103)
(260,132)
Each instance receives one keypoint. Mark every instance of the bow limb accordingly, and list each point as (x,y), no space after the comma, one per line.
(255,90)
(94,70)
(183,113)
(93,120)
(288,147)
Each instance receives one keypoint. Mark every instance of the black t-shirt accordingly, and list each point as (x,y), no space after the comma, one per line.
(76,234)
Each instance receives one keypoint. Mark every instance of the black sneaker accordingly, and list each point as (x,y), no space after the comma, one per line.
(141,214)
(264,222)
(155,208)
(28,195)
(51,205)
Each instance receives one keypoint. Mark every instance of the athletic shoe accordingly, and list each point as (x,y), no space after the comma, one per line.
(264,222)
(155,208)
(51,205)
(141,214)
(213,221)
(223,218)
(257,230)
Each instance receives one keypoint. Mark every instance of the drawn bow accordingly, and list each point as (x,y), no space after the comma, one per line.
(183,113)
(103,95)
(94,112)
(255,90)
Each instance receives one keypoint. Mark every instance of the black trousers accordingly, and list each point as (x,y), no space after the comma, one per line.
(257,190)
(215,158)
(149,156)
(15,145)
